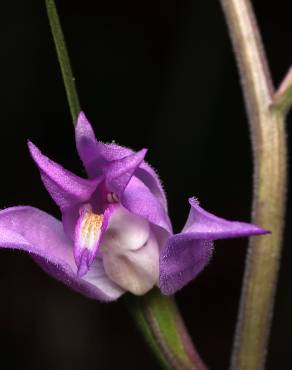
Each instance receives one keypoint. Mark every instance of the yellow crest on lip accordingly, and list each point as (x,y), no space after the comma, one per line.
(90,228)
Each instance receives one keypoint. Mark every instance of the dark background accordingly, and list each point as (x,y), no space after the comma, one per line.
(156,74)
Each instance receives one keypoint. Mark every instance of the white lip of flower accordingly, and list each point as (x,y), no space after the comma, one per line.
(130,252)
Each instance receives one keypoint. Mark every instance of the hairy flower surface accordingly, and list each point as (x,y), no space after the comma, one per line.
(115,235)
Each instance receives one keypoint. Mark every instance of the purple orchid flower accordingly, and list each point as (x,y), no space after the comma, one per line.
(115,235)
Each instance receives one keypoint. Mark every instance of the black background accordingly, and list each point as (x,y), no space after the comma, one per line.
(155,74)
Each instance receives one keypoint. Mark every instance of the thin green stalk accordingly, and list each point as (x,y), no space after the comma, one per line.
(134,306)
(157,316)
(283,97)
(159,320)
(269,149)
(64,61)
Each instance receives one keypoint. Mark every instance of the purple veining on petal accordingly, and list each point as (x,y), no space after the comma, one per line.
(42,236)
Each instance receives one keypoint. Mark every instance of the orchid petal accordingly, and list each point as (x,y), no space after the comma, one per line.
(86,144)
(138,199)
(209,227)
(186,254)
(120,171)
(181,260)
(96,155)
(41,235)
(88,233)
(65,188)
(150,178)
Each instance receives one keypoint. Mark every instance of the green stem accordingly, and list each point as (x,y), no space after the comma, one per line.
(63,58)
(159,320)
(283,96)
(269,149)
(136,310)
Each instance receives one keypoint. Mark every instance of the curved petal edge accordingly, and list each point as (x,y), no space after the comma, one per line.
(34,231)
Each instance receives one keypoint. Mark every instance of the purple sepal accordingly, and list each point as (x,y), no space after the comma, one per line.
(96,155)
(186,254)
(209,227)
(118,165)
(181,260)
(42,236)
(65,188)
